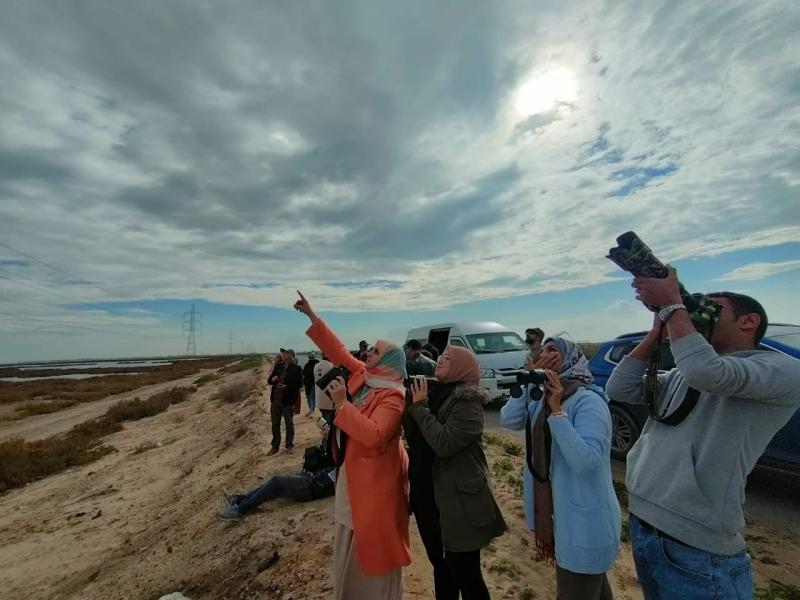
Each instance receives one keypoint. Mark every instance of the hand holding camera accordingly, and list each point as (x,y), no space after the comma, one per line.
(337,391)
(653,291)
(419,389)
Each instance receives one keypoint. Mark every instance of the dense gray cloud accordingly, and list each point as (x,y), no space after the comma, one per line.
(389,154)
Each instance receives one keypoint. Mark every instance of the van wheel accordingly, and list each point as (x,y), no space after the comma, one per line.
(624,432)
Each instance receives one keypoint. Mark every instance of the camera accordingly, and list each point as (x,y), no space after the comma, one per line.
(335,372)
(634,256)
(432,382)
(410,379)
(536,378)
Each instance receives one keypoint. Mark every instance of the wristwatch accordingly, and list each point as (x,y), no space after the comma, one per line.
(665,312)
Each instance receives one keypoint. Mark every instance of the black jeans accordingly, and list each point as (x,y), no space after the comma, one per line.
(578,586)
(296,487)
(279,411)
(465,568)
(423,504)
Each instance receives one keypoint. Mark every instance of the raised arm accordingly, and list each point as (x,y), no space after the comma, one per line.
(326,340)
(765,376)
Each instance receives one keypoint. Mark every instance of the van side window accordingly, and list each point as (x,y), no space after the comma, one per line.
(454,341)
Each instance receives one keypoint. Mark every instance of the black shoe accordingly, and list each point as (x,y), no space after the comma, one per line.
(230,498)
(272,452)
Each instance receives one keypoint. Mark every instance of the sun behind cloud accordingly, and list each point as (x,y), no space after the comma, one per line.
(545,90)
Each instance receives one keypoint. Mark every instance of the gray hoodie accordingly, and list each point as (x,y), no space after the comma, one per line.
(689,480)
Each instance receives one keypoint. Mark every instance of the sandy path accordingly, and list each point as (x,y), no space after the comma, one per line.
(37,427)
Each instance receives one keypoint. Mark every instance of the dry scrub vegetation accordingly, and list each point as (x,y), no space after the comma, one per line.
(22,462)
(51,395)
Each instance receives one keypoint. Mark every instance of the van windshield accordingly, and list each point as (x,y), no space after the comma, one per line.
(490,343)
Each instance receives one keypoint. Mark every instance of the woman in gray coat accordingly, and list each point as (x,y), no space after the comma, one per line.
(468,513)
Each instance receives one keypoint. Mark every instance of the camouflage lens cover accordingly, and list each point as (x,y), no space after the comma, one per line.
(703,311)
(635,257)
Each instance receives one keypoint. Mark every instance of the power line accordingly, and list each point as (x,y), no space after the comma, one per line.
(79,326)
(70,298)
(62,296)
(141,335)
(192,320)
(62,271)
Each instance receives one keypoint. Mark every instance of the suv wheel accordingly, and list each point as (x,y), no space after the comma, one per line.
(624,432)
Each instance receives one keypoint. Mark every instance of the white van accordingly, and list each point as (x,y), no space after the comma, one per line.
(500,351)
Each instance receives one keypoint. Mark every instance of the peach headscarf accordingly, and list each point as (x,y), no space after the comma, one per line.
(390,371)
(458,365)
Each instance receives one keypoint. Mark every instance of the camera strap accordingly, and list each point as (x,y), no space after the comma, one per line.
(651,395)
(529,447)
(338,446)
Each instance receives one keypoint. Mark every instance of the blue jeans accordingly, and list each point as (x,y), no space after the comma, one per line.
(669,569)
(296,487)
(311,398)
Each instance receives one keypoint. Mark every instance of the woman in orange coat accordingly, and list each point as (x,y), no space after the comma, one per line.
(371,506)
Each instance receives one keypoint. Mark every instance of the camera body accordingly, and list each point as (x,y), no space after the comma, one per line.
(634,256)
(432,383)
(535,378)
(335,372)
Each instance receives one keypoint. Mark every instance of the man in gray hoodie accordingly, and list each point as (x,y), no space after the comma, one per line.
(686,481)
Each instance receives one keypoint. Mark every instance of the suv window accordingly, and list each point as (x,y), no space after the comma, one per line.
(617,352)
(665,359)
(457,342)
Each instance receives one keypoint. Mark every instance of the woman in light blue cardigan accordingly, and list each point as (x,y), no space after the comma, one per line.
(570,502)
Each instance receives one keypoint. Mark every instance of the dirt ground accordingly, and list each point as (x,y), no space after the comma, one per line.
(140,523)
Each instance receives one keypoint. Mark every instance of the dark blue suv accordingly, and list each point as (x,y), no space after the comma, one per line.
(628,419)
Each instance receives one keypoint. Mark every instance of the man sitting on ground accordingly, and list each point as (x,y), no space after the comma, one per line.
(315,481)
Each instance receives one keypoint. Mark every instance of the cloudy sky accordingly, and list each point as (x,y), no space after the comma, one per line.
(400,162)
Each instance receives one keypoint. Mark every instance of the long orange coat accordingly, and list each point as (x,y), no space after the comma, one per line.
(377,464)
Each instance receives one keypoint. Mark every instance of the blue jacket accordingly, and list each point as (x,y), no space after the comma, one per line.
(585,507)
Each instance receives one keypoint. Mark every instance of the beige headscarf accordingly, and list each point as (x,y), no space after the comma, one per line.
(458,365)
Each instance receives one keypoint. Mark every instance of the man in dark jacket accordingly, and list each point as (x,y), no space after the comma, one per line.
(416,362)
(286,380)
(308,383)
(315,481)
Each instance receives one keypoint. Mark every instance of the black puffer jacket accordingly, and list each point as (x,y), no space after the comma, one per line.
(469,515)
